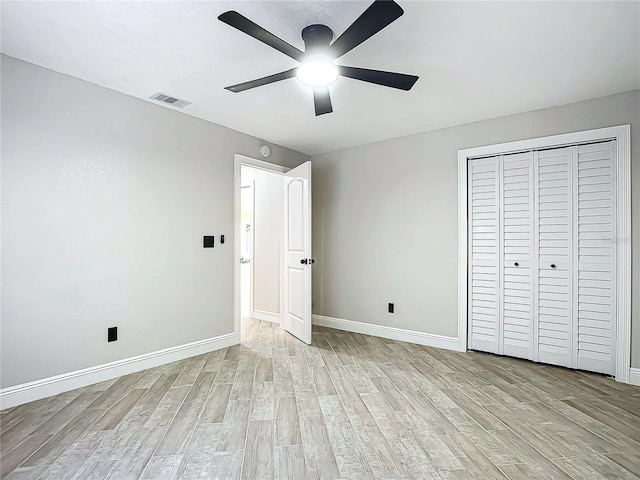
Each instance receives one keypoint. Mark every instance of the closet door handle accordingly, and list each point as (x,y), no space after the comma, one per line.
(553,265)
(517,264)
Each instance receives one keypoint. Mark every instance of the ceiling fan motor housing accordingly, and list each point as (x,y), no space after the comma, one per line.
(316,39)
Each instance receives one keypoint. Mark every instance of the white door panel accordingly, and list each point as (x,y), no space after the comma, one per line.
(297,252)
(595,257)
(553,216)
(517,252)
(484,240)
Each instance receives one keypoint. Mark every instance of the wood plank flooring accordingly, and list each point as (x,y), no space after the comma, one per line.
(348,407)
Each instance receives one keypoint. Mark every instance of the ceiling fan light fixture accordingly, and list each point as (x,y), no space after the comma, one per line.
(317,73)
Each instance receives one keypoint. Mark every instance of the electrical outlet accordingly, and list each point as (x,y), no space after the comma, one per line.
(112,334)
(391,307)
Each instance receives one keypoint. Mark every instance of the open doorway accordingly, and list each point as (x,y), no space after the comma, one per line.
(260,233)
(272,247)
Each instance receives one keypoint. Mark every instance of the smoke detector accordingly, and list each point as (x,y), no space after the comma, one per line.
(169,100)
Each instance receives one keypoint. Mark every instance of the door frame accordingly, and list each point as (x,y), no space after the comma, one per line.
(238,162)
(622,135)
(253,240)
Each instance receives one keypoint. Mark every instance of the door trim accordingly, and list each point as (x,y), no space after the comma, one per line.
(622,135)
(253,224)
(238,161)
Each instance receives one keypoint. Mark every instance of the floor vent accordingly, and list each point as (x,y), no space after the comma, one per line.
(168,99)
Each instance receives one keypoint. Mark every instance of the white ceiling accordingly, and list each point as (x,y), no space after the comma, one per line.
(476,60)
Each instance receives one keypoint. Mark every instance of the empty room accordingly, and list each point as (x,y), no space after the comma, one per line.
(331,240)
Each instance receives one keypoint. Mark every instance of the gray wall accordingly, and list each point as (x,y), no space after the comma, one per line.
(105,199)
(385,216)
(268,227)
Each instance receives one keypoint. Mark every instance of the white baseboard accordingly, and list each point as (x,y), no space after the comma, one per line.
(266,316)
(634,376)
(411,336)
(28,392)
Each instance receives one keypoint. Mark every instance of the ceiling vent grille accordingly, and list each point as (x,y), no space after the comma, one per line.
(169,100)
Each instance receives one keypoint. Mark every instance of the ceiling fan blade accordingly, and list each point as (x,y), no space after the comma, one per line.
(258,82)
(387,79)
(322,100)
(379,14)
(254,30)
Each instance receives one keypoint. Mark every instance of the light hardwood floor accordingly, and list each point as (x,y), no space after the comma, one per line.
(350,406)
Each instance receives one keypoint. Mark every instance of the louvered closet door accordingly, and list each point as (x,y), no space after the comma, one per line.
(596,230)
(553,228)
(517,252)
(483,274)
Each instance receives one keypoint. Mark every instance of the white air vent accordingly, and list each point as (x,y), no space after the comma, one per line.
(168,99)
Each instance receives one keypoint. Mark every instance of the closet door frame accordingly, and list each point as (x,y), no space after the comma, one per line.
(622,135)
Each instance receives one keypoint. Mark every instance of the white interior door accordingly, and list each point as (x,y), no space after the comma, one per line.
(297,252)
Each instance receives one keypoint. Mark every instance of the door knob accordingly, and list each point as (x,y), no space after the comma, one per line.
(517,264)
(553,265)
(312,260)
(304,261)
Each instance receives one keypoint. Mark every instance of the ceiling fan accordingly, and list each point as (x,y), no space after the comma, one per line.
(317,67)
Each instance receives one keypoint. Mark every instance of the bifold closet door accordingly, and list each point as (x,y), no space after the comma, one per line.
(516,238)
(595,276)
(483,214)
(554,330)
(542,256)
